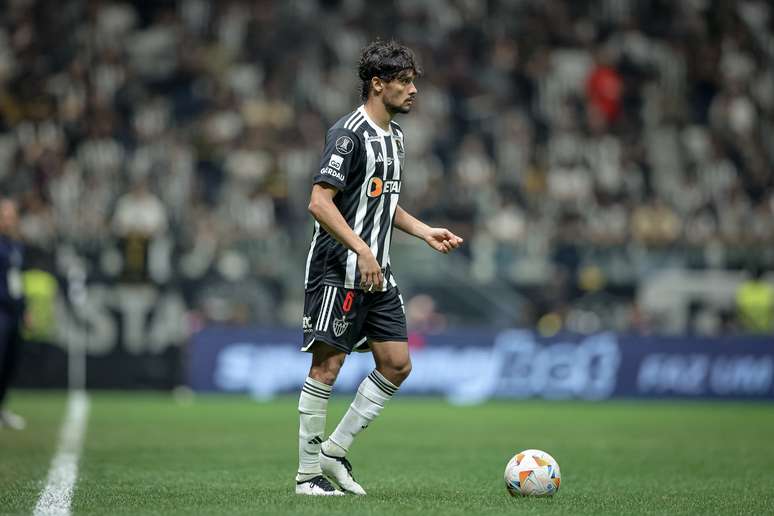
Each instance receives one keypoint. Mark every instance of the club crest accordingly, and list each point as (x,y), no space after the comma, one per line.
(340,326)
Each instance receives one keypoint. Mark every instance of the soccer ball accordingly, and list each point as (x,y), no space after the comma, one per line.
(532,473)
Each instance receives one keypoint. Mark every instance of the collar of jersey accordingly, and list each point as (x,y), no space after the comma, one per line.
(373,124)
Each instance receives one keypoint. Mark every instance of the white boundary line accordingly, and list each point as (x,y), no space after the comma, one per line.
(56,497)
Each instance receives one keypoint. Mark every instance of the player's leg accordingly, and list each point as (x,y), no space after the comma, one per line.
(10,346)
(5,351)
(313,409)
(393,365)
(323,325)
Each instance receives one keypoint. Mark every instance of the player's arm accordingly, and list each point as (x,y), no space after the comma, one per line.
(440,239)
(323,209)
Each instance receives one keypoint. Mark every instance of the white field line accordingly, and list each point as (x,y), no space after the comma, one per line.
(57,496)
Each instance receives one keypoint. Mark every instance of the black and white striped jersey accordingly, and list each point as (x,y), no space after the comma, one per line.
(364,162)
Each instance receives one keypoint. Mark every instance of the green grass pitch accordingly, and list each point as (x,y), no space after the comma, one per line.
(148,454)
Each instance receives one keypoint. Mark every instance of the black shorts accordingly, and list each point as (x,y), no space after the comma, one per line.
(346,319)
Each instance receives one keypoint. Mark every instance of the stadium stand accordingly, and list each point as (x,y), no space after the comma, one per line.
(579,147)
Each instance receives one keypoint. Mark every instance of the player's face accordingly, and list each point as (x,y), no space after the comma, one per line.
(399,93)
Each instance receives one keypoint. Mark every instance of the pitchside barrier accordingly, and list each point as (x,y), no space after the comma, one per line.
(470,366)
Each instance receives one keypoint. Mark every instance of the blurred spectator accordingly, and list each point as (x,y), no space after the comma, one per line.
(139,221)
(422,315)
(139,212)
(604,88)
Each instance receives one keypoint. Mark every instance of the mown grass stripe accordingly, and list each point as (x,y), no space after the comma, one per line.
(56,497)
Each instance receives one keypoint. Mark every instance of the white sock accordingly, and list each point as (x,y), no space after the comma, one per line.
(312,408)
(373,393)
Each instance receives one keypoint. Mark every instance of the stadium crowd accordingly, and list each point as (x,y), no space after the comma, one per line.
(601,139)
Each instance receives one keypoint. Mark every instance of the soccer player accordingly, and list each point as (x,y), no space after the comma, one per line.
(11,306)
(352,302)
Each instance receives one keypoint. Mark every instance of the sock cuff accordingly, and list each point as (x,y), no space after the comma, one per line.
(316,389)
(382,383)
(316,383)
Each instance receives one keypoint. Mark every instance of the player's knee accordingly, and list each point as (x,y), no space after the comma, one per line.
(397,372)
(404,370)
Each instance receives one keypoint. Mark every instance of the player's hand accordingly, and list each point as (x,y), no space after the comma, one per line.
(371,277)
(442,240)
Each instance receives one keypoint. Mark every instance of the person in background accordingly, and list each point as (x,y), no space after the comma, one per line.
(755,304)
(11,306)
(139,219)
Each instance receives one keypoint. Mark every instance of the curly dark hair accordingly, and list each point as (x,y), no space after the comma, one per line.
(386,60)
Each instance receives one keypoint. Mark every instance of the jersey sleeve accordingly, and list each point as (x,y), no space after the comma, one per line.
(342,151)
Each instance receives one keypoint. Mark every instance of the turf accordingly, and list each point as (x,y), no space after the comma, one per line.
(25,456)
(148,454)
